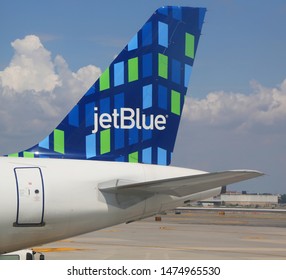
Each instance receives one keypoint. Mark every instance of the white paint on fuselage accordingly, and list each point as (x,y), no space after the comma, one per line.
(73,204)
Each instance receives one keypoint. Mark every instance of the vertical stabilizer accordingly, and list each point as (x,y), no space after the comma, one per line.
(132,112)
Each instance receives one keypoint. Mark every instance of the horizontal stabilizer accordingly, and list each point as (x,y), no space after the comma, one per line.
(181,186)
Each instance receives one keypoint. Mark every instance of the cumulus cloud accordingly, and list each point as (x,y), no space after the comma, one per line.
(36,90)
(263,107)
(86,74)
(31,67)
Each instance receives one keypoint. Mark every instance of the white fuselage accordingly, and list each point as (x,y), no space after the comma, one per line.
(44,200)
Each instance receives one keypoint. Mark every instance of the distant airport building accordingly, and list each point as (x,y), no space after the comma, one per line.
(250,200)
(243,199)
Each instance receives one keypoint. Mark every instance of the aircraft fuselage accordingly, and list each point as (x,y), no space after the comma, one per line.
(46,200)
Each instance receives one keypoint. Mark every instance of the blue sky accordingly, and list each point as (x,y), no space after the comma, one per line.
(242,40)
(236,115)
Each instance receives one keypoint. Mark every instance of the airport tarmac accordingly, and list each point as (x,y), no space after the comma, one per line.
(191,235)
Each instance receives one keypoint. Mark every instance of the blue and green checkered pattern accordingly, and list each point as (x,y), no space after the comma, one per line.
(151,73)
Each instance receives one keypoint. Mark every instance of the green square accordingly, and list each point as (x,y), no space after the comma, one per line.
(133,157)
(105,141)
(190,45)
(163,65)
(28,155)
(133,69)
(104,80)
(176,102)
(59,141)
(14,155)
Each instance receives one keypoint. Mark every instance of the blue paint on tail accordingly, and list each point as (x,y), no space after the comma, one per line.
(132,112)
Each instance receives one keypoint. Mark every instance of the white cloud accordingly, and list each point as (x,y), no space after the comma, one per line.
(31,67)
(36,91)
(227,130)
(33,70)
(86,74)
(263,107)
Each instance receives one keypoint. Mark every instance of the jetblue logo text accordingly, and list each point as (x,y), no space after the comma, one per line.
(127,118)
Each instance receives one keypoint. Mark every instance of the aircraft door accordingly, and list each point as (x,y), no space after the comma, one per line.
(30,192)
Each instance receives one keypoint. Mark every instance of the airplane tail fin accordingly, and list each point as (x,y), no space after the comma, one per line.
(132,112)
